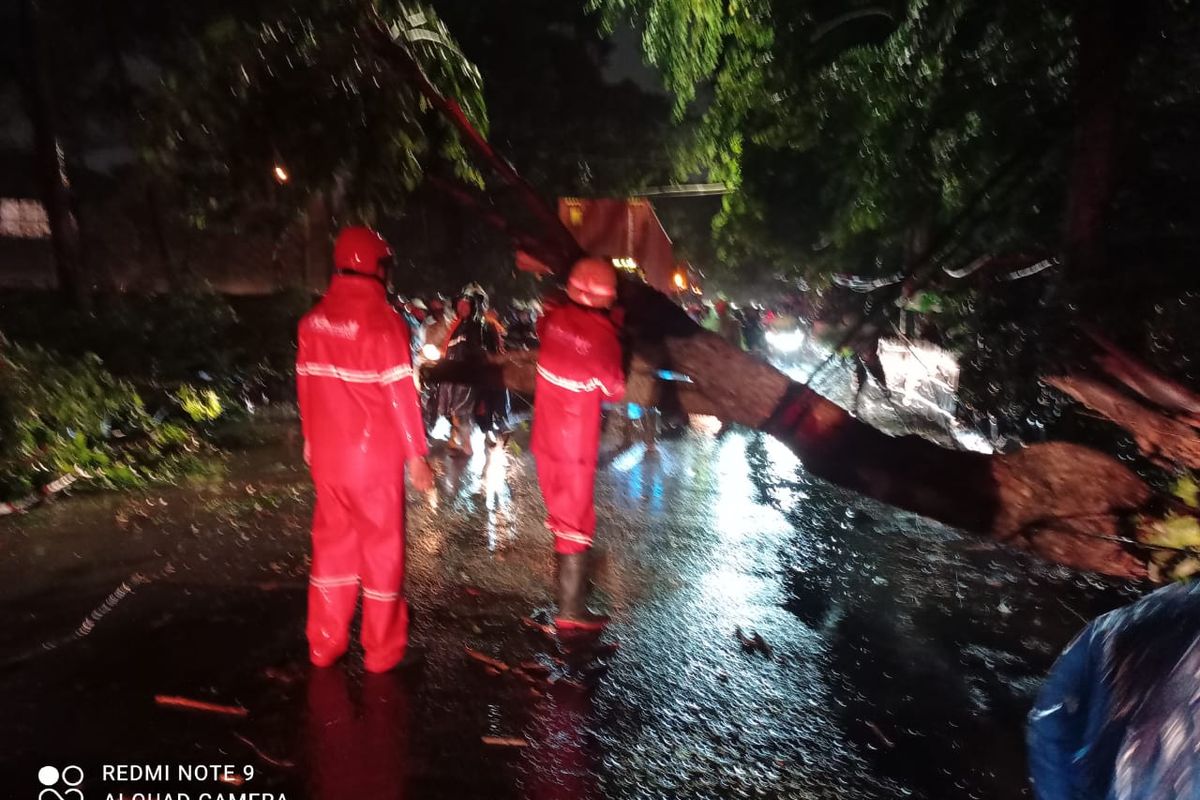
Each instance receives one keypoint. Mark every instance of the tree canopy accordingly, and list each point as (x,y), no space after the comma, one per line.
(185,110)
(951,138)
(845,132)
(296,86)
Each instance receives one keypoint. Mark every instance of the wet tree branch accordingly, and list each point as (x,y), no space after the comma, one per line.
(1161,439)
(1132,373)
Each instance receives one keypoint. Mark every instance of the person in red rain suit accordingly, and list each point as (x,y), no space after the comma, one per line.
(362,423)
(579,367)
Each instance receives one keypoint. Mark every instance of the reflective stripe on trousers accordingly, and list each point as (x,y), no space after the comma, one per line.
(358,536)
(568,487)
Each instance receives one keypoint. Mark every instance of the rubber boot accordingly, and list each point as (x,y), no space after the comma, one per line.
(650,429)
(573,613)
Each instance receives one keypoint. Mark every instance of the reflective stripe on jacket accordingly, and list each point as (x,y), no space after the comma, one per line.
(579,367)
(354,378)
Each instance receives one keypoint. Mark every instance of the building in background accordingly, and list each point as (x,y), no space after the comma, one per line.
(26,259)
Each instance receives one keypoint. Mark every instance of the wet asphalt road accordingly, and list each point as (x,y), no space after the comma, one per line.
(902,657)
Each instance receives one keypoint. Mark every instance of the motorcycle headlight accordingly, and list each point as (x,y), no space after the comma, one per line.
(788,341)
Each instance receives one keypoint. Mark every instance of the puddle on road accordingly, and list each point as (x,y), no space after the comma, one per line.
(902,657)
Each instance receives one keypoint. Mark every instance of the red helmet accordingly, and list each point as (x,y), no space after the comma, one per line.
(360,249)
(593,283)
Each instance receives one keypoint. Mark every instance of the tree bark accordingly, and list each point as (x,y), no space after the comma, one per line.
(175,279)
(1161,439)
(1106,33)
(51,161)
(1160,390)
(318,237)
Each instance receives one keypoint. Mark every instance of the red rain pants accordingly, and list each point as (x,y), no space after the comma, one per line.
(358,537)
(568,488)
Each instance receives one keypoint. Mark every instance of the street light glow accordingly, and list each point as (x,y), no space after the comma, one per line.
(680,281)
(281,174)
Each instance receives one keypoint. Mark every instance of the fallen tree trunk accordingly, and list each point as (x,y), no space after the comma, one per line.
(1063,502)
(1160,438)
(1158,389)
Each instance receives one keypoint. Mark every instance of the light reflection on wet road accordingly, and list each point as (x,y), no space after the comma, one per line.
(902,657)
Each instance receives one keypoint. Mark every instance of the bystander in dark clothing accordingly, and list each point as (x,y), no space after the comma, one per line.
(1118,718)
(472,337)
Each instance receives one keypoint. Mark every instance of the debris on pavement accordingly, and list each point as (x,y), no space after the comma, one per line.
(522,675)
(504,741)
(746,642)
(274,762)
(664,721)
(535,668)
(43,495)
(534,625)
(285,677)
(754,643)
(494,663)
(200,705)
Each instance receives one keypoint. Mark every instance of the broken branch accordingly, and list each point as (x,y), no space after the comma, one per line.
(494,663)
(1157,435)
(200,705)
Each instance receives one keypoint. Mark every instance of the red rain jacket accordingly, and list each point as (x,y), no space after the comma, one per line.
(358,401)
(579,367)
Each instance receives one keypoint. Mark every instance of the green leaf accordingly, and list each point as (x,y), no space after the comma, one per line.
(1175,531)
(1187,490)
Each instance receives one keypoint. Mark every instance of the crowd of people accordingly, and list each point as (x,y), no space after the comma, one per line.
(742,326)
(471,327)
(468,328)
